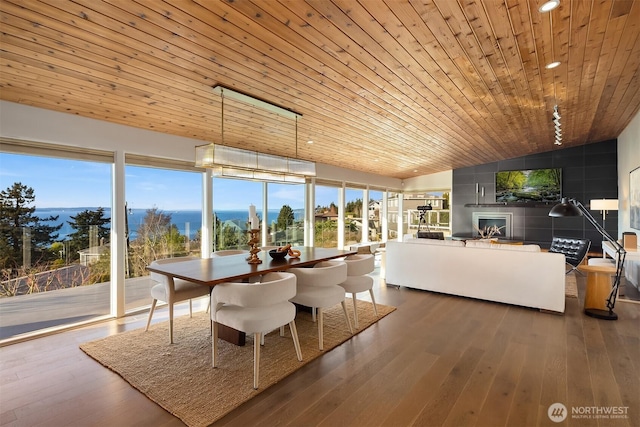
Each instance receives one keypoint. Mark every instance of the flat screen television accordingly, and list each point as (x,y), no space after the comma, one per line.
(529,186)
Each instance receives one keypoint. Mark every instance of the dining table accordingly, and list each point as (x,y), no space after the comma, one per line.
(236,268)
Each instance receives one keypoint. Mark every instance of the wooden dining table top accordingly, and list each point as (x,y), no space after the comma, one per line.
(212,271)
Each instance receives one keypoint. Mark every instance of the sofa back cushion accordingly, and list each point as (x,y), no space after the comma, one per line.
(487,244)
(478,244)
(518,248)
(434,242)
(501,246)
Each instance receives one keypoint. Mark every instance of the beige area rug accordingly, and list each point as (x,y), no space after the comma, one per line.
(571,285)
(180,378)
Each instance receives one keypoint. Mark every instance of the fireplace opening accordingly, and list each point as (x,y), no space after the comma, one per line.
(502,220)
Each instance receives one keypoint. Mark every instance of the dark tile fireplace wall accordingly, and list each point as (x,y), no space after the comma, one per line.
(588,172)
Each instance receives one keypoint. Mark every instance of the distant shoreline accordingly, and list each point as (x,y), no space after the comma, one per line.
(188,221)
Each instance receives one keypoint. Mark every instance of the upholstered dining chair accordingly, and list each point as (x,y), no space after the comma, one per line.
(172,290)
(358,280)
(255,308)
(318,288)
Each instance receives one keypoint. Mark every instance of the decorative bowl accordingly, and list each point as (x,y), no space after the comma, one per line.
(277,255)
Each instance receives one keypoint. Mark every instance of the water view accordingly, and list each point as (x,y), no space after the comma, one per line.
(187,221)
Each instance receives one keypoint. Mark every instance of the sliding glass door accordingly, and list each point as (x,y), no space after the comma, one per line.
(163,220)
(54,242)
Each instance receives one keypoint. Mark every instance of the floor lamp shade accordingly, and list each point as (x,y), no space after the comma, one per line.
(564,208)
(604,204)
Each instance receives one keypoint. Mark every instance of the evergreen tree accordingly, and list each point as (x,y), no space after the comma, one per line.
(18,222)
(86,223)
(354,208)
(285,218)
(229,238)
(217,232)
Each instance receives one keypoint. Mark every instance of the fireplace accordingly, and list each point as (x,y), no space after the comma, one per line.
(501,220)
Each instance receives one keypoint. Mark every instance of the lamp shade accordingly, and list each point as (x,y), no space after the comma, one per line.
(604,204)
(565,208)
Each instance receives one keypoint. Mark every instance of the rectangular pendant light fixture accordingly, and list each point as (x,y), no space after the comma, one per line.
(245,164)
(232,162)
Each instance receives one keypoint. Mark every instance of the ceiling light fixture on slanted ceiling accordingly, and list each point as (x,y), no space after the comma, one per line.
(229,162)
(549,5)
(558,126)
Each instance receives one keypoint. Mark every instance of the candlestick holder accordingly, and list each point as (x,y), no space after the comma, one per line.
(253,246)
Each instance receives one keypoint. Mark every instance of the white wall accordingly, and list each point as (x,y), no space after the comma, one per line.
(36,124)
(436,181)
(628,160)
(335,173)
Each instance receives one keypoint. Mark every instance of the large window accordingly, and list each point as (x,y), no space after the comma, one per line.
(56,220)
(326,217)
(353,216)
(393,214)
(231,200)
(164,220)
(54,242)
(285,214)
(435,219)
(375,215)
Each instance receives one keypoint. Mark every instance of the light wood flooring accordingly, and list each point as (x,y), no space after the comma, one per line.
(438,360)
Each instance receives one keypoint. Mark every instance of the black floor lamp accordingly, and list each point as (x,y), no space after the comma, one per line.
(572,207)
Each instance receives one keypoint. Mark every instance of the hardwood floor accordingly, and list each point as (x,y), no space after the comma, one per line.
(437,360)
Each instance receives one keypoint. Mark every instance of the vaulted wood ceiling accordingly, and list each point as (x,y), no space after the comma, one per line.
(394,87)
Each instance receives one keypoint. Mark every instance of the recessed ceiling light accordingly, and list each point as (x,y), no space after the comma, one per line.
(549,6)
(552,65)
(415,170)
(309,142)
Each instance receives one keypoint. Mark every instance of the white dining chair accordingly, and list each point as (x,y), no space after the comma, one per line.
(172,290)
(318,288)
(358,280)
(255,308)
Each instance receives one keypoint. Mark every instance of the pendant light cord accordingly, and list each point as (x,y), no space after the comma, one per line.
(222,115)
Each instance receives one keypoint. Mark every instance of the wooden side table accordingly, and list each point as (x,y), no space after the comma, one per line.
(598,291)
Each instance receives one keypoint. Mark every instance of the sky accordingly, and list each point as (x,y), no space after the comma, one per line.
(74,183)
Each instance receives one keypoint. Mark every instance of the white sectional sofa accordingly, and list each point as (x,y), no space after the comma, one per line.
(512,274)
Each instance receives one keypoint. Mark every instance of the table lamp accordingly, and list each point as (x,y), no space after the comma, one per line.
(572,207)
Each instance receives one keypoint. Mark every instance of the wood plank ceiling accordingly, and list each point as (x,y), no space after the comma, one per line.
(394,87)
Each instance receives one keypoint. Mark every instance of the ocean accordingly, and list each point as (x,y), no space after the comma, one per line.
(187,221)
